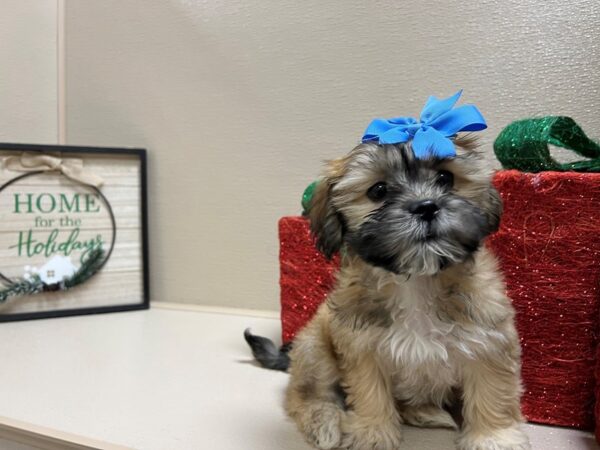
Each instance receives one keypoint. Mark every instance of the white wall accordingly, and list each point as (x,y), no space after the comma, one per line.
(28,71)
(238,102)
(28,83)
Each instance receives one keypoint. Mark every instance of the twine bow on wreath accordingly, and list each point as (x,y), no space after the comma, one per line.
(71,168)
(523,145)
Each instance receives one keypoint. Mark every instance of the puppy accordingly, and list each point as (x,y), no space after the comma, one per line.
(418,319)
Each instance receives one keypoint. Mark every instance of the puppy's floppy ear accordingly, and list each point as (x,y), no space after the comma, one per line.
(492,205)
(326,223)
(490,199)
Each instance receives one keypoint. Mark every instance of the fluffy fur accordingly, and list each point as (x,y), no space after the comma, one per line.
(418,320)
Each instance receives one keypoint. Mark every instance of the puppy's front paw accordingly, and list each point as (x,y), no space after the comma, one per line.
(324,428)
(367,434)
(512,438)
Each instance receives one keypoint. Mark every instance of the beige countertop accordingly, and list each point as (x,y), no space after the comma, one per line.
(175,377)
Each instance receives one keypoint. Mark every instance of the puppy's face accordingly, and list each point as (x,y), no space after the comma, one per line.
(403,214)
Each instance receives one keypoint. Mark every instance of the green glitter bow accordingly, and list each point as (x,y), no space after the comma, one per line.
(523,145)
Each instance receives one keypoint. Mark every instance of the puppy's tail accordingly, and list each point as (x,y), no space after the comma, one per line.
(266,353)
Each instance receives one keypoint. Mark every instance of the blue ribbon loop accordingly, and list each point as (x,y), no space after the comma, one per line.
(438,122)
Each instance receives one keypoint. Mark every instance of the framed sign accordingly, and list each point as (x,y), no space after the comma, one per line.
(73,231)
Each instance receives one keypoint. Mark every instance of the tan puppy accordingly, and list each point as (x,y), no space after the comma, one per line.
(419,318)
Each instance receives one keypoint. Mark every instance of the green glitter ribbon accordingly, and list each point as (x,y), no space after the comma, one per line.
(523,145)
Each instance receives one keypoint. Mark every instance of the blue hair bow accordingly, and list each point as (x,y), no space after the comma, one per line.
(430,136)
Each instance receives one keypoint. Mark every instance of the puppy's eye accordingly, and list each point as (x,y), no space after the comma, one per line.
(377,192)
(445,178)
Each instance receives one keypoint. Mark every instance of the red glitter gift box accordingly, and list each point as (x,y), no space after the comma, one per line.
(306,276)
(549,248)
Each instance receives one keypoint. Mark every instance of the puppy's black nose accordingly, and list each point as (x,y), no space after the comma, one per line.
(427,209)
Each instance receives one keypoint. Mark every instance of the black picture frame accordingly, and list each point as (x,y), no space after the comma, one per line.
(141,153)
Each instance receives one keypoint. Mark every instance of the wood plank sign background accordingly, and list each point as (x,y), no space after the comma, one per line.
(61,206)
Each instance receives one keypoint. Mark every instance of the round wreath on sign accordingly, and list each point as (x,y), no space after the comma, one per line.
(59,274)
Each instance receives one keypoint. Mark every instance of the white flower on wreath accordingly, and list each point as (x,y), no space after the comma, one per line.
(54,271)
